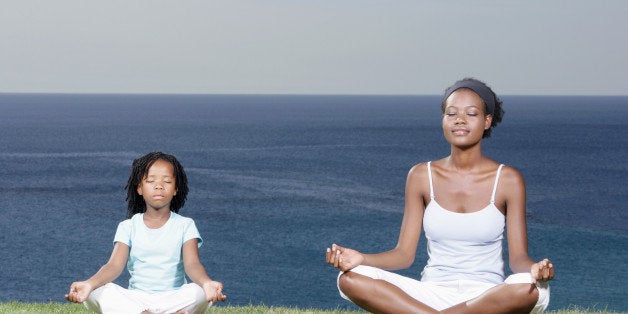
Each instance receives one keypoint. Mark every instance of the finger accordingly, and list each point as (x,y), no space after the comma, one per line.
(337,259)
(219,297)
(334,258)
(551,276)
(550,271)
(547,271)
(546,268)
(535,271)
(327,255)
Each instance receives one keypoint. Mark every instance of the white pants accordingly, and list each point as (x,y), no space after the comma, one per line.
(112,298)
(442,295)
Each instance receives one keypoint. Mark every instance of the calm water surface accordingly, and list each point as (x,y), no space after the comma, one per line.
(274,180)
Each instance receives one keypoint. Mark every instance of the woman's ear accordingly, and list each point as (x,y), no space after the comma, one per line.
(488,120)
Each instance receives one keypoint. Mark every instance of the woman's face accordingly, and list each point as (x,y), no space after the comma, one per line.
(464,120)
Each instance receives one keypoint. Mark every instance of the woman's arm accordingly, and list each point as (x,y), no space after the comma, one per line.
(402,256)
(195,270)
(515,206)
(79,291)
(516,227)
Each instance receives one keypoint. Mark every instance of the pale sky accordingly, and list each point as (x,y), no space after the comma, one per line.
(313,46)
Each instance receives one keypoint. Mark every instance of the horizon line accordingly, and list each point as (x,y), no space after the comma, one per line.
(293,94)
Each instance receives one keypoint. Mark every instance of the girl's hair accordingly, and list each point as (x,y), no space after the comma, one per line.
(498,111)
(139,170)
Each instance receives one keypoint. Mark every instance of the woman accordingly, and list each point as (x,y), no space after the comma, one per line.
(464,202)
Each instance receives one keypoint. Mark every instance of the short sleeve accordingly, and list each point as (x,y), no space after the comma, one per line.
(123,233)
(191,232)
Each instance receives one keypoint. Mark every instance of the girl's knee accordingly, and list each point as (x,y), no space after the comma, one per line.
(196,294)
(195,291)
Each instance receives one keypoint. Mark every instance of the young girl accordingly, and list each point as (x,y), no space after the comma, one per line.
(464,202)
(158,246)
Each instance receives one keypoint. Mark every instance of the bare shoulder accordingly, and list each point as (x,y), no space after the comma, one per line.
(512,190)
(418,172)
(417,182)
(511,177)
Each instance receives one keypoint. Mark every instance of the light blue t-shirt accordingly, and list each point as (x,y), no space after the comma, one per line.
(155,259)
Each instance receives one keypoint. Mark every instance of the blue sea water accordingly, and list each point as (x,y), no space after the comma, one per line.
(274,180)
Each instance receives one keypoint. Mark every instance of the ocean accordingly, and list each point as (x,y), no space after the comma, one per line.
(276,179)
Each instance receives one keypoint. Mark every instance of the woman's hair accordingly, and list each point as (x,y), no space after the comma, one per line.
(492,104)
(139,171)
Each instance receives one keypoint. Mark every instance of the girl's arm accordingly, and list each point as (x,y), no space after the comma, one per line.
(195,270)
(79,291)
(519,259)
(402,256)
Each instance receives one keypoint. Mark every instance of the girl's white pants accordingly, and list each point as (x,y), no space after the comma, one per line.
(112,298)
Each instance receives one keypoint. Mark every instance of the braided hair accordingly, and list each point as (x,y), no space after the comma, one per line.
(139,170)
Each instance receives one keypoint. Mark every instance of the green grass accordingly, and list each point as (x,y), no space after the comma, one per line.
(70,308)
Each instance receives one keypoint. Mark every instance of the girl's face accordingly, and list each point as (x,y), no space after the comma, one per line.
(158,187)
(464,120)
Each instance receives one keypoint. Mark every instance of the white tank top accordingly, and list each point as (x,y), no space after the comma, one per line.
(464,245)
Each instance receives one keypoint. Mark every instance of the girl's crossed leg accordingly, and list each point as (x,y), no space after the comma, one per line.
(111,298)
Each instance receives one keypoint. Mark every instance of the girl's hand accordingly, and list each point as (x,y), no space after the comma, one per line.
(543,270)
(343,258)
(79,291)
(213,291)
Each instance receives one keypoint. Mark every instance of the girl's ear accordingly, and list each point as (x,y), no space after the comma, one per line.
(139,189)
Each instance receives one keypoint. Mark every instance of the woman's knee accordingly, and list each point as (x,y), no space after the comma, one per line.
(526,295)
(351,283)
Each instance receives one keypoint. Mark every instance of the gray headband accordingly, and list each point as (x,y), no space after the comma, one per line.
(479,88)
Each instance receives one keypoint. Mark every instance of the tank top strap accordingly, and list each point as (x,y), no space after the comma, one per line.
(429,175)
(499,170)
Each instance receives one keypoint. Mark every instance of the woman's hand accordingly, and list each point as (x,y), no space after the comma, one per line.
(543,270)
(79,291)
(343,258)
(213,291)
